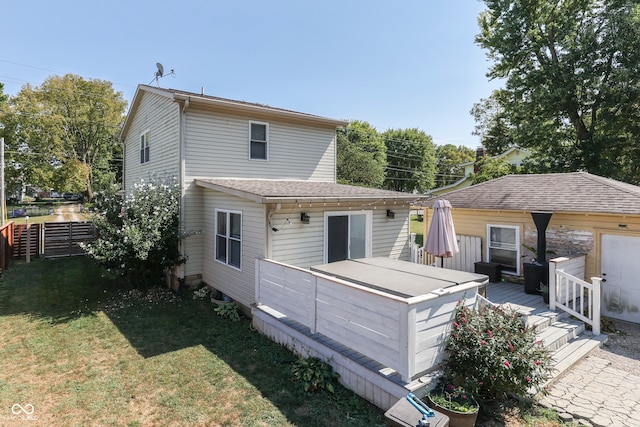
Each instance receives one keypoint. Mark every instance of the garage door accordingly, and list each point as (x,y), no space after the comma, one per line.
(621,274)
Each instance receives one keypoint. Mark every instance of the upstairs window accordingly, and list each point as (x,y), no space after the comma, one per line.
(258,141)
(144,147)
(228,243)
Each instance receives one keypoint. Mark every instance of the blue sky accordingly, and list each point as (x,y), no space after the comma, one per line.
(401,64)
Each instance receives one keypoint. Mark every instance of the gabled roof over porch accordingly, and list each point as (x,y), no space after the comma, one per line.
(283,191)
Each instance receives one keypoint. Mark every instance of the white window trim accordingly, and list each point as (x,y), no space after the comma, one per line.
(517,229)
(368,248)
(147,146)
(251,122)
(228,212)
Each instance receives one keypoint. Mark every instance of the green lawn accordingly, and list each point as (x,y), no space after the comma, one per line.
(418,228)
(86,350)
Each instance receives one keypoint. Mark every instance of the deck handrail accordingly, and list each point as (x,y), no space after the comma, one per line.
(574,295)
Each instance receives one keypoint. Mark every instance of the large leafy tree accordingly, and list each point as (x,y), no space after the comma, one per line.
(64,133)
(491,168)
(361,158)
(493,125)
(411,161)
(449,160)
(571,72)
(3,97)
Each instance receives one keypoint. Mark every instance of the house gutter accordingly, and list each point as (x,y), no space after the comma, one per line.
(181,172)
(254,109)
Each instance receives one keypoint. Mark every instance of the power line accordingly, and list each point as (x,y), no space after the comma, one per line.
(381,135)
(52,71)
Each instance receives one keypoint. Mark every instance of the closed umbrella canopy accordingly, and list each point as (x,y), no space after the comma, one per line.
(441,239)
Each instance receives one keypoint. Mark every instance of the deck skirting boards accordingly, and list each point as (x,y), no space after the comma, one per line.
(368,379)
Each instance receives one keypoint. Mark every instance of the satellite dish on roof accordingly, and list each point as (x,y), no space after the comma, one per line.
(160,73)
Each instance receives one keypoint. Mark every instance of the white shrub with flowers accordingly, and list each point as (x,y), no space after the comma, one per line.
(139,236)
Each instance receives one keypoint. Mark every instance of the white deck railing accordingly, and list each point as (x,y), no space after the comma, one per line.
(405,334)
(574,295)
(417,252)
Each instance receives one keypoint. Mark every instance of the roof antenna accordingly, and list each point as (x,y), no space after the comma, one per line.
(160,73)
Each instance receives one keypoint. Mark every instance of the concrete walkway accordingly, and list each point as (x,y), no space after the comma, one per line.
(68,212)
(595,391)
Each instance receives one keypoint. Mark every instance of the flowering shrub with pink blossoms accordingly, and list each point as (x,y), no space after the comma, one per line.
(493,353)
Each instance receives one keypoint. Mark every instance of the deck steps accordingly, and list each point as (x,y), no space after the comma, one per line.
(559,333)
(564,336)
(571,353)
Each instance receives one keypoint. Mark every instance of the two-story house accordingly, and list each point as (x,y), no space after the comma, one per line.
(256,182)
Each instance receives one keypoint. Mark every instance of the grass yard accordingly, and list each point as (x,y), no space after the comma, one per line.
(417,227)
(84,350)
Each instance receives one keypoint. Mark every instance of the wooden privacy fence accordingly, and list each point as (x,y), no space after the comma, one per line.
(27,239)
(470,253)
(64,238)
(6,245)
(53,239)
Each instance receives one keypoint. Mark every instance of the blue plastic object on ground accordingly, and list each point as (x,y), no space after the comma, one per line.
(420,406)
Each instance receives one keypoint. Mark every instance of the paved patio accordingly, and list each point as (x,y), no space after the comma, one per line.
(595,391)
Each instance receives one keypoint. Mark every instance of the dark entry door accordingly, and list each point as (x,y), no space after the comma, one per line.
(337,238)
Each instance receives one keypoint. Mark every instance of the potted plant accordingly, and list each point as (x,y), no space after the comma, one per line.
(456,403)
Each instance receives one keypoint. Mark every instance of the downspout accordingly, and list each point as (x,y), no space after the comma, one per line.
(124,168)
(181,172)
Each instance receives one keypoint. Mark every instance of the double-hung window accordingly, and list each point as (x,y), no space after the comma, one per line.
(258,141)
(504,247)
(228,243)
(144,147)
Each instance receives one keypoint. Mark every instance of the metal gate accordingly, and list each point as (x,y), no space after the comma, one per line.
(64,238)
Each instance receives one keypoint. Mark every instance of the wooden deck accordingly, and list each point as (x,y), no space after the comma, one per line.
(512,295)
(375,381)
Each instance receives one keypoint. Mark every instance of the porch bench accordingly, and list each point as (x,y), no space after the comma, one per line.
(491,269)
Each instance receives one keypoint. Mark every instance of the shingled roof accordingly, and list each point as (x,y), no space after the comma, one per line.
(556,192)
(279,191)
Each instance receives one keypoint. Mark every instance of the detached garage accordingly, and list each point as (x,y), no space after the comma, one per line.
(592,215)
(620,272)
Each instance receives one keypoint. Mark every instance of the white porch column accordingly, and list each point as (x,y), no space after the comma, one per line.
(552,284)
(596,303)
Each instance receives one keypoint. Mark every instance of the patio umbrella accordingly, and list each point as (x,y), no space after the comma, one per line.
(441,239)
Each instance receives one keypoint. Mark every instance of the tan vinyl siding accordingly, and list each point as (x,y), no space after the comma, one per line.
(296,243)
(391,236)
(238,284)
(160,116)
(194,226)
(218,146)
(302,245)
(567,233)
